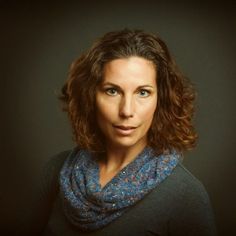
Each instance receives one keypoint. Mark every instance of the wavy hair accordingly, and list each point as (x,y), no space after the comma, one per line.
(171,127)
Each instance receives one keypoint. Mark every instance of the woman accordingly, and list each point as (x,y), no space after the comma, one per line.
(131,111)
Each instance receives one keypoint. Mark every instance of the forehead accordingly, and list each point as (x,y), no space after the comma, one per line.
(126,70)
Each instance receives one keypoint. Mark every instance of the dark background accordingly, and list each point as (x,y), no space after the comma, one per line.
(38,43)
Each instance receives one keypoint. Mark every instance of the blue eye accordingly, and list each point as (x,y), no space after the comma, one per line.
(144,93)
(111,91)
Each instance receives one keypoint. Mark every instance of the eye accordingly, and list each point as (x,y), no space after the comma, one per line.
(111,91)
(144,93)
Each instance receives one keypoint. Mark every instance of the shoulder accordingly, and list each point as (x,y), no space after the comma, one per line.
(44,193)
(180,187)
(191,190)
(185,182)
(182,193)
(183,201)
(192,207)
(57,160)
(183,188)
(50,172)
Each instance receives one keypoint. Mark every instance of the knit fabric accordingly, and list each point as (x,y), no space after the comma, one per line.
(90,207)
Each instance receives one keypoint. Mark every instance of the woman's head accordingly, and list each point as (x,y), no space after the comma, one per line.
(126,101)
(171,123)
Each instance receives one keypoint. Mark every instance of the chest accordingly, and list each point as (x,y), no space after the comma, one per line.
(144,219)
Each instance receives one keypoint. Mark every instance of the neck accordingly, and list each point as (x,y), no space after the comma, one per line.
(117,158)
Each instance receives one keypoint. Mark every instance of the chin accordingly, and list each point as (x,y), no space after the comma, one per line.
(126,142)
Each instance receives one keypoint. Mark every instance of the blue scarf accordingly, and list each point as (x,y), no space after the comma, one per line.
(90,207)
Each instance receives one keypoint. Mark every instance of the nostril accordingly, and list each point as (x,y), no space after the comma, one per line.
(126,114)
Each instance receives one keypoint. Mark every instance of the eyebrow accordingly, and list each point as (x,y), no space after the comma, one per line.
(117,86)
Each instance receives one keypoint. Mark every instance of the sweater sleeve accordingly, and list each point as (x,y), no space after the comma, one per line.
(194,214)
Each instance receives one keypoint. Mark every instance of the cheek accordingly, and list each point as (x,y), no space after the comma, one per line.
(104,111)
(148,111)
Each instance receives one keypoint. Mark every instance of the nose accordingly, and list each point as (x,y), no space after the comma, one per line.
(126,107)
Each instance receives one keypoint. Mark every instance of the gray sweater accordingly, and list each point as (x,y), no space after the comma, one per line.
(178,206)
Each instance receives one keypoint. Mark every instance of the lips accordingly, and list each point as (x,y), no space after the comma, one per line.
(125,127)
(124,130)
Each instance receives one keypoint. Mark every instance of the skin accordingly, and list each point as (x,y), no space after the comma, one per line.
(126,97)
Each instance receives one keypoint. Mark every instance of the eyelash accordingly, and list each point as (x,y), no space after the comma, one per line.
(107,91)
(146,91)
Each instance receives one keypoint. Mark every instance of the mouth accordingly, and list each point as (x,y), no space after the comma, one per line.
(124,130)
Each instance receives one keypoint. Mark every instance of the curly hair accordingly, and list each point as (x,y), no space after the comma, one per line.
(171,127)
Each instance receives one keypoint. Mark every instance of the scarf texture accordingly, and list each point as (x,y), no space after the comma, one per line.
(90,207)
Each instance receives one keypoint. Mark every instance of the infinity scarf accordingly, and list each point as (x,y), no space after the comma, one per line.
(90,207)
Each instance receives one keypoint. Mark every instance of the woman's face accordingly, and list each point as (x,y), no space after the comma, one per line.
(126,101)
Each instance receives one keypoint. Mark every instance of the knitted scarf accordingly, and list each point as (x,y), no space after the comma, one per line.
(90,207)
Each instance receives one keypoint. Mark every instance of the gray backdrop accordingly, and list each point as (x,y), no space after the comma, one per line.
(38,43)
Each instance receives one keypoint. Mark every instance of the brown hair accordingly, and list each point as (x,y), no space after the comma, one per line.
(172,122)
